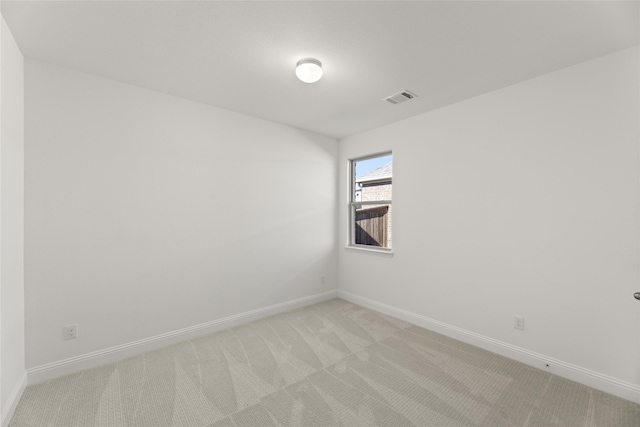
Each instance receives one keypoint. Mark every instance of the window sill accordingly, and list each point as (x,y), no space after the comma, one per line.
(387,253)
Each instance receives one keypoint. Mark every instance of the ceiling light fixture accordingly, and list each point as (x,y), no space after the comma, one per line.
(309,70)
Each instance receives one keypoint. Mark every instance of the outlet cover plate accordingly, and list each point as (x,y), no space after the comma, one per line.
(71,332)
(518,322)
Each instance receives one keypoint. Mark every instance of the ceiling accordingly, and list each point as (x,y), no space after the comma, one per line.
(241,55)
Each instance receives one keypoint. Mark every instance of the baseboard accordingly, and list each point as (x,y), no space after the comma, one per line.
(12,403)
(563,369)
(113,354)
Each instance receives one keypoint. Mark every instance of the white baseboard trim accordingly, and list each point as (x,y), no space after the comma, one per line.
(12,403)
(119,352)
(563,369)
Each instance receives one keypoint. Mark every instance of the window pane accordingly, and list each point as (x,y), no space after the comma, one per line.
(373,179)
(372,225)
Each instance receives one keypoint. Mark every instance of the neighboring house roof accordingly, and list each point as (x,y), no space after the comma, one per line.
(382,173)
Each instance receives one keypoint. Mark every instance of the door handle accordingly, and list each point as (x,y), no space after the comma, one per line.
(637,295)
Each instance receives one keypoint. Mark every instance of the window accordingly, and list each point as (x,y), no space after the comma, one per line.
(370,210)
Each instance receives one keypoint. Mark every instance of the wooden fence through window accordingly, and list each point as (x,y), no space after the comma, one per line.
(371,226)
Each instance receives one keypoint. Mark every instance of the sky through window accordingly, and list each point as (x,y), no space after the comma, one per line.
(365,166)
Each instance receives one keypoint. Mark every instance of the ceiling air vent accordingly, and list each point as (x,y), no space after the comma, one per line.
(399,97)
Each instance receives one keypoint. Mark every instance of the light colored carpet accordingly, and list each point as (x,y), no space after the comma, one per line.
(329,364)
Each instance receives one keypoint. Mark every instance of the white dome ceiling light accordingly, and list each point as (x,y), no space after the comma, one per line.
(309,70)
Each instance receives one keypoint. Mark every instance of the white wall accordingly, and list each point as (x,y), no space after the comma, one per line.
(523,201)
(146,214)
(12,349)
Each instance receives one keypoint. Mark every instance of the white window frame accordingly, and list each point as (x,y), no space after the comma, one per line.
(353,204)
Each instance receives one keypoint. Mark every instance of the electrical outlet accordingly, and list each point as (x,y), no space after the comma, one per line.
(322,279)
(71,332)
(518,322)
